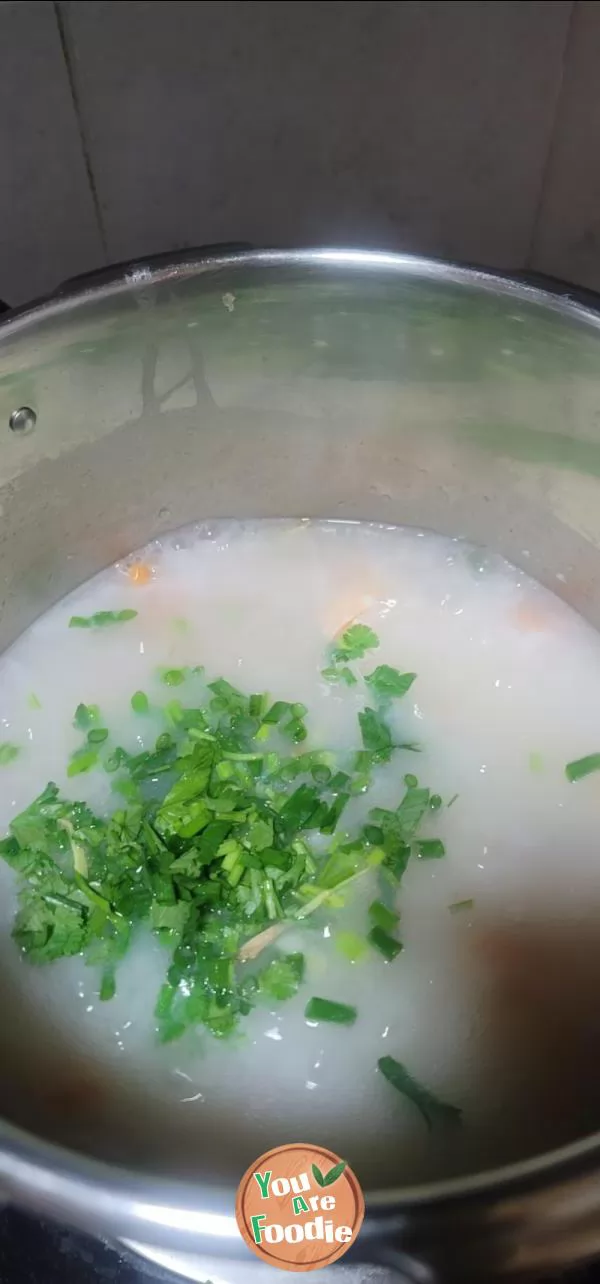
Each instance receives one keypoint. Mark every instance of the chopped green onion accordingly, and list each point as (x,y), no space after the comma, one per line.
(582,767)
(108,985)
(383,917)
(351,945)
(430,1107)
(327,1010)
(173,677)
(386,944)
(430,849)
(82,761)
(97,735)
(85,716)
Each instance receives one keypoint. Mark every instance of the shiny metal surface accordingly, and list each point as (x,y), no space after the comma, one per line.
(318,383)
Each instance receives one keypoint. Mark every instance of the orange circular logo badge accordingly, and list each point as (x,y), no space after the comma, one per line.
(299,1207)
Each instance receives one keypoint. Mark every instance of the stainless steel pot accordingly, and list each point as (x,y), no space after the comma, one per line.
(321,383)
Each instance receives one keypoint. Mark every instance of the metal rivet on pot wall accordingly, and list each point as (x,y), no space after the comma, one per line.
(23,420)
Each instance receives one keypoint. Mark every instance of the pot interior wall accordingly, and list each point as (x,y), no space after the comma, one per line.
(411,394)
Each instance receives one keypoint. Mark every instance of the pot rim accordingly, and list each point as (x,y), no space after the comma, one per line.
(49,1176)
(159,269)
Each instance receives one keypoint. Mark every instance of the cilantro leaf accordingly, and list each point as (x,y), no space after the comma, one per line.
(342,673)
(389,683)
(101,619)
(376,735)
(354,643)
(282,977)
(412,808)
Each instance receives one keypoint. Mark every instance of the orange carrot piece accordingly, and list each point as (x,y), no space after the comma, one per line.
(139,573)
(529,617)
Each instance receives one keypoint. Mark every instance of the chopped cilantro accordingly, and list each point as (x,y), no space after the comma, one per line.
(217,844)
(326,1010)
(430,1107)
(282,976)
(413,806)
(101,619)
(376,735)
(388,683)
(341,674)
(354,643)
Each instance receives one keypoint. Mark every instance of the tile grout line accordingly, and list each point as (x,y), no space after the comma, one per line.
(552,136)
(64,43)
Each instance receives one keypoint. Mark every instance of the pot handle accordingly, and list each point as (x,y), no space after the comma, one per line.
(116,271)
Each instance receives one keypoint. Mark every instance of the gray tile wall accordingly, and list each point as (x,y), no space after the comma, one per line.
(459,128)
(48,225)
(567,234)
